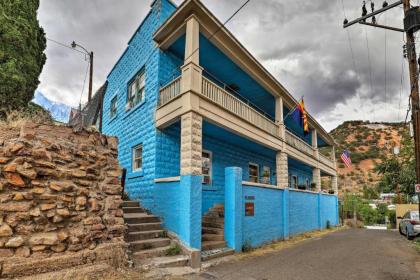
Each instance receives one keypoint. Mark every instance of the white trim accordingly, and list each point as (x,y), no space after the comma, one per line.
(258,171)
(133,149)
(260,185)
(297,190)
(168,179)
(211,167)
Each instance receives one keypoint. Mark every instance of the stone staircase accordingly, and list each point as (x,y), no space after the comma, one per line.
(213,244)
(148,241)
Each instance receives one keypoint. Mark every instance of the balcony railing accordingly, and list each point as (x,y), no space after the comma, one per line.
(170,91)
(326,160)
(236,106)
(298,143)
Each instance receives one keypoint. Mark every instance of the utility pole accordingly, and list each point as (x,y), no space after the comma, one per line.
(409,29)
(90,76)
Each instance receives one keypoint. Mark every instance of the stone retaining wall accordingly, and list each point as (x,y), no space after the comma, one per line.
(59,193)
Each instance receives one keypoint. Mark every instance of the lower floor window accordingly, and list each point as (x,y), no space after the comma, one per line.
(294,182)
(206,167)
(265,177)
(138,158)
(253,172)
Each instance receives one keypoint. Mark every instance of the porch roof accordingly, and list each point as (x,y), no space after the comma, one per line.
(210,26)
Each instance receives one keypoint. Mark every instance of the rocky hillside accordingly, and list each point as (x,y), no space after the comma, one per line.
(367,143)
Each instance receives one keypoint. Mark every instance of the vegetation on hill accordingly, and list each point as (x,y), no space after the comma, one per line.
(371,148)
(21,53)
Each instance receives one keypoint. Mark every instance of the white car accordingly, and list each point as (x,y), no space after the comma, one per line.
(410,224)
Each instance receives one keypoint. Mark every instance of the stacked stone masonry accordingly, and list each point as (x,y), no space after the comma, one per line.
(60,193)
(191,143)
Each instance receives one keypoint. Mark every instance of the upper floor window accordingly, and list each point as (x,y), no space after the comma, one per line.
(136,90)
(253,171)
(138,158)
(113,107)
(206,167)
(294,182)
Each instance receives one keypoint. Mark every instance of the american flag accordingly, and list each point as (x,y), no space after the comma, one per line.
(345,156)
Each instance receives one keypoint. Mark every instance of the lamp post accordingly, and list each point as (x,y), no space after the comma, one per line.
(90,54)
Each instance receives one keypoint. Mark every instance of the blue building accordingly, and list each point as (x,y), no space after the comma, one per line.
(202,125)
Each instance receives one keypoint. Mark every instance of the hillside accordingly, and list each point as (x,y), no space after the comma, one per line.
(367,143)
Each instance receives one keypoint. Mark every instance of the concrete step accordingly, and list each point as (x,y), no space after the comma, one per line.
(167,261)
(144,235)
(130,203)
(220,221)
(150,253)
(211,230)
(214,215)
(212,237)
(212,225)
(216,253)
(139,218)
(133,210)
(136,246)
(144,227)
(210,245)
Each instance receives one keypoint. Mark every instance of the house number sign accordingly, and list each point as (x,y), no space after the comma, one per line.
(249,209)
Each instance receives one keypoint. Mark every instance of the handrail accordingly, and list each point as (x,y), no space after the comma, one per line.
(233,104)
(291,139)
(169,91)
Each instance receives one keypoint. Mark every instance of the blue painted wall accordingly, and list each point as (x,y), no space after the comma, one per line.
(136,126)
(329,210)
(267,223)
(303,212)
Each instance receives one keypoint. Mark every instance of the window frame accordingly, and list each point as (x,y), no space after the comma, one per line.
(268,182)
(111,107)
(133,158)
(295,182)
(210,175)
(258,172)
(140,86)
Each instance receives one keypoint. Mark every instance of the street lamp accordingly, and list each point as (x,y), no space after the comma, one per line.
(90,54)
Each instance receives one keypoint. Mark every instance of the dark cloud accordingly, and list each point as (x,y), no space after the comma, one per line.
(301,42)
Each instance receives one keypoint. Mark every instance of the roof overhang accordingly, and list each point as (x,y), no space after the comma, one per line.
(175,26)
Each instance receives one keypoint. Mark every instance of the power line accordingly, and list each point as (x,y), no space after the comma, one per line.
(84,82)
(370,68)
(220,27)
(64,45)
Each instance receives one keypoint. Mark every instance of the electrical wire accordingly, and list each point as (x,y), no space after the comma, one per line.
(370,68)
(64,45)
(84,83)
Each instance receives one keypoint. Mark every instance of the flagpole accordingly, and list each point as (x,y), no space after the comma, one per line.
(293,109)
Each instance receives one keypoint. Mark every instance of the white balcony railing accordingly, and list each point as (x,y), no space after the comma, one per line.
(236,106)
(326,160)
(298,143)
(170,91)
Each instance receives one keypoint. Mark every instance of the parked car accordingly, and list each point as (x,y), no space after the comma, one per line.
(410,224)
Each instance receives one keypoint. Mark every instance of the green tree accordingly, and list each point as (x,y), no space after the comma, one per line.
(21,53)
(398,171)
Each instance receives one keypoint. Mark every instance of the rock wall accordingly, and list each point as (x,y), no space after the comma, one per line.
(59,192)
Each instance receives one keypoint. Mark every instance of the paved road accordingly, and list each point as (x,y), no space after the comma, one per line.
(348,254)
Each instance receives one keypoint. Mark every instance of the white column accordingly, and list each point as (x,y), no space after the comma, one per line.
(279,117)
(316,178)
(333,153)
(282,173)
(191,70)
(192,39)
(314,138)
(334,184)
(191,144)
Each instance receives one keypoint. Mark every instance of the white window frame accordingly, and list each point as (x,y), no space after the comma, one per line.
(262,179)
(111,107)
(138,85)
(295,182)
(133,166)
(210,175)
(258,172)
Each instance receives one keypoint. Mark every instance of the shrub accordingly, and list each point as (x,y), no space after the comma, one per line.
(328,224)
(246,247)
(173,250)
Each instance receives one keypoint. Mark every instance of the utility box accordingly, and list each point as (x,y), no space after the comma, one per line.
(412,20)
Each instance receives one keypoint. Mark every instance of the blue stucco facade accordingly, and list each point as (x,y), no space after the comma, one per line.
(181,203)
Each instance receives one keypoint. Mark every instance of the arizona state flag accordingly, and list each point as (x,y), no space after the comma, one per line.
(301,117)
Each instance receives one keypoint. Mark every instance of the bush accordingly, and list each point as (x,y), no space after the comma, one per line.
(328,224)
(173,250)
(246,247)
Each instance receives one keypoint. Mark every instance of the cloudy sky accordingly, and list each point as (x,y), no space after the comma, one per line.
(302,43)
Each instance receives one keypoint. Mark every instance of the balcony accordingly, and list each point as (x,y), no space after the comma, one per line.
(227,110)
